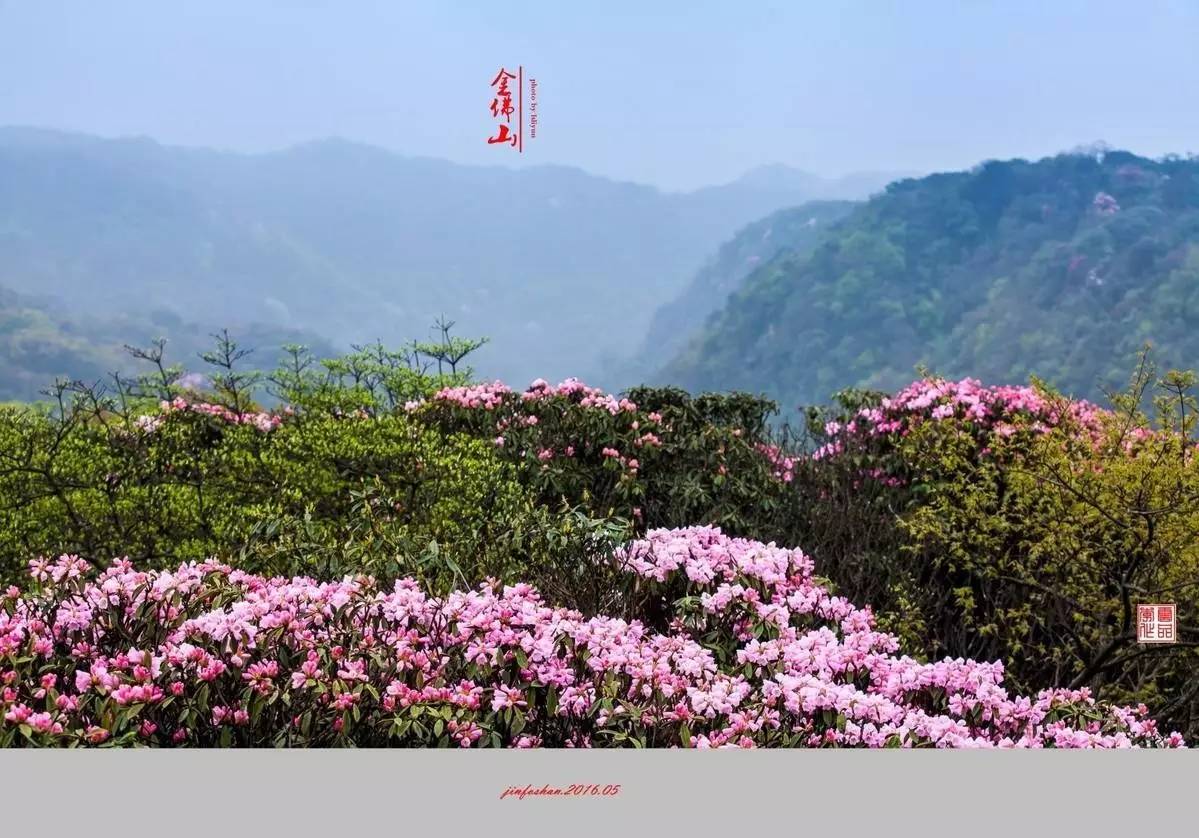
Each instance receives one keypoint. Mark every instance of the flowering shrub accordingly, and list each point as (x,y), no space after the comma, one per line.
(782,464)
(656,457)
(1011,523)
(964,406)
(757,653)
(262,420)
(1105,204)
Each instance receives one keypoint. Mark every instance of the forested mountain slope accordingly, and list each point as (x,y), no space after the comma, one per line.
(793,230)
(39,343)
(1062,268)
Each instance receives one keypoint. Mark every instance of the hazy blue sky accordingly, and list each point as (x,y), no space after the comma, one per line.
(678,95)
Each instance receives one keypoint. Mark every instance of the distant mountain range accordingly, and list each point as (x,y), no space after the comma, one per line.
(561,269)
(1061,268)
(40,342)
(777,282)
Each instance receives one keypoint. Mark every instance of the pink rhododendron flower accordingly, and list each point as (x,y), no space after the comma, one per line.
(396,664)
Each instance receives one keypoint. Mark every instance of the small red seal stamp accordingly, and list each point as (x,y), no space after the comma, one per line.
(1157,623)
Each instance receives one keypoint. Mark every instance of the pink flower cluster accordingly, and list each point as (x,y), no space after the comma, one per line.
(580,393)
(1105,204)
(758,654)
(492,395)
(784,465)
(487,396)
(1002,410)
(263,421)
(516,419)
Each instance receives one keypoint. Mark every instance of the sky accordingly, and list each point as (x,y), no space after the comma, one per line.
(678,95)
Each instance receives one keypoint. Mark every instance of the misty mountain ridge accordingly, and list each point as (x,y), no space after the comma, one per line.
(779,176)
(355,242)
(40,343)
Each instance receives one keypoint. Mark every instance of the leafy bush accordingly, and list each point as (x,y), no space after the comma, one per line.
(658,457)
(334,482)
(377,461)
(757,654)
(313,493)
(1014,524)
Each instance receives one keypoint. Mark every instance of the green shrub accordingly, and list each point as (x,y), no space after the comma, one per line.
(1028,536)
(316,493)
(658,458)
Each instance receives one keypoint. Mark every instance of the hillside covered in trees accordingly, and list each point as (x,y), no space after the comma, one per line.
(39,343)
(1060,268)
(793,230)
